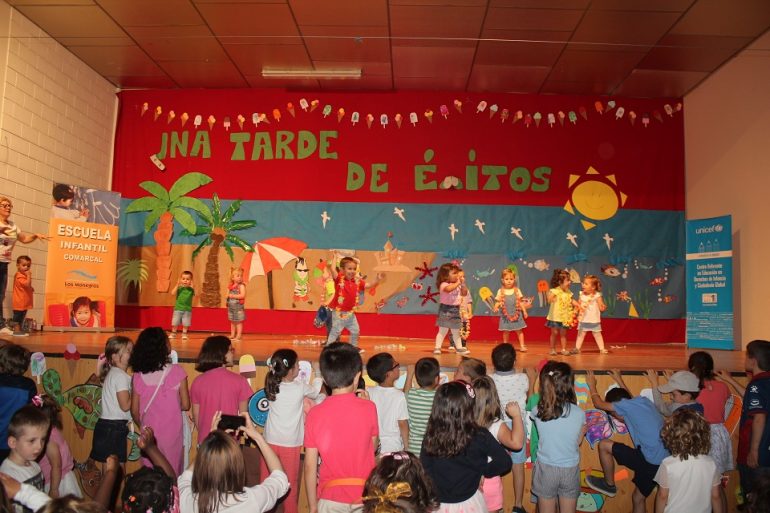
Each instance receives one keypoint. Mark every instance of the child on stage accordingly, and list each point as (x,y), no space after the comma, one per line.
(590,316)
(452,288)
(184,292)
(512,312)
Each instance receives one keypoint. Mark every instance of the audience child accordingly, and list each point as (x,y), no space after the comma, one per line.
(644,423)
(160,394)
(457,452)
(57,462)
(470,369)
(112,427)
(561,425)
(714,396)
(22,292)
(591,306)
(151,489)
(533,397)
(753,430)
(759,501)
(216,482)
(285,425)
(451,289)
(343,432)
(27,432)
(348,284)
(392,414)
(683,386)
(488,414)
(398,484)
(689,479)
(16,390)
(236,298)
(512,311)
(561,312)
(184,292)
(217,389)
(24,494)
(511,386)
(419,401)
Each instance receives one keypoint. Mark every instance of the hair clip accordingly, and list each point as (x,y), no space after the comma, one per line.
(392,493)
(550,373)
(468,388)
(102,358)
(37,400)
(285,362)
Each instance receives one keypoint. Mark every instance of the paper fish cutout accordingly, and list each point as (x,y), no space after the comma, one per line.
(259,407)
(600,426)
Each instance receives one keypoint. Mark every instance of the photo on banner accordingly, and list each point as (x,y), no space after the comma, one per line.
(710,315)
(82,258)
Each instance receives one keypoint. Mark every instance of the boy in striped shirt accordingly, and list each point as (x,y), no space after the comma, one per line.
(419,401)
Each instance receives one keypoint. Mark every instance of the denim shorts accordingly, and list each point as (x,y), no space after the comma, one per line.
(181,317)
(110,437)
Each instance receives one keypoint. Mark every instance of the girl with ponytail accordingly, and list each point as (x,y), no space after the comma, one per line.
(285,427)
(561,425)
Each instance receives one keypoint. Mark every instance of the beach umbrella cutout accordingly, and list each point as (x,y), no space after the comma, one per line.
(269,255)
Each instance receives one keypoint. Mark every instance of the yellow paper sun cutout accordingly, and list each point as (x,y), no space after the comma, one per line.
(594,197)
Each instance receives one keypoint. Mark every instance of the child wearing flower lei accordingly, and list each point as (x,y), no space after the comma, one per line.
(466,314)
(562,313)
(509,299)
(348,284)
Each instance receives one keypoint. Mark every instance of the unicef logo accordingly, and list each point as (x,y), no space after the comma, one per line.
(718,228)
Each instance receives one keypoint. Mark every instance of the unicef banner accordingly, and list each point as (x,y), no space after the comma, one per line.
(82,259)
(710,283)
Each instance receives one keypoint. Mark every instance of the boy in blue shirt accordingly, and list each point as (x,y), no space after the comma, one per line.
(644,423)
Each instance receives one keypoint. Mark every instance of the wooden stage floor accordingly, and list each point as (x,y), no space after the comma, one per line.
(630,357)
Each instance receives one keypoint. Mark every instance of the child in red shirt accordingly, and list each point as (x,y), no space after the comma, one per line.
(347,285)
(22,290)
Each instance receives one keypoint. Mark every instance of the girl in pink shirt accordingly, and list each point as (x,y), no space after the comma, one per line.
(714,396)
(451,288)
(57,463)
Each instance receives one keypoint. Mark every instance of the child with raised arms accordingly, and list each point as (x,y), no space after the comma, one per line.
(184,292)
(561,311)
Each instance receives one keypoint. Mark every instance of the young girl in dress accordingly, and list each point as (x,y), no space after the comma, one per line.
(151,489)
(457,453)
(236,297)
(398,484)
(561,425)
(591,306)
(160,394)
(451,289)
(111,429)
(57,461)
(216,482)
(217,389)
(561,312)
(512,311)
(284,429)
(488,415)
(714,396)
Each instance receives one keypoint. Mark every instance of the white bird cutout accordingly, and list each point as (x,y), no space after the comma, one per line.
(572,238)
(453,230)
(517,232)
(399,212)
(480,225)
(609,240)
(325,217)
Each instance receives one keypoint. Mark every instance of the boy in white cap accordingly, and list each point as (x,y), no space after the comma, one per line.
(684,387)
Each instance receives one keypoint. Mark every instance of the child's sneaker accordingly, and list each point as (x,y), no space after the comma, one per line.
(452,349)
(574,351)
(463,350)
(601,486)
(184,336)
(437,351)
(5,330)
(171,336)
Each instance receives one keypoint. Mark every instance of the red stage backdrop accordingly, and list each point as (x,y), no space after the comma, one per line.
(279,183)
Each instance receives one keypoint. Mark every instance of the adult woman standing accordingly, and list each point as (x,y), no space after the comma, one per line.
(9,234)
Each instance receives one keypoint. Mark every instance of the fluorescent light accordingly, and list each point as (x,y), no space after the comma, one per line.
(335,73)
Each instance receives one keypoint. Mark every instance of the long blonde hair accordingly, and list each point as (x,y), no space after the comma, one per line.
(487,407)
(219,471)
(114,346)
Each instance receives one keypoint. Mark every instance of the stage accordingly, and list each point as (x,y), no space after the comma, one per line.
(626,357)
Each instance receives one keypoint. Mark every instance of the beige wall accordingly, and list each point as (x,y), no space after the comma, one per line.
(727,158)
(57,119)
